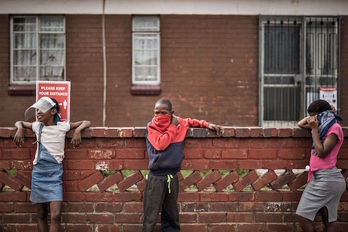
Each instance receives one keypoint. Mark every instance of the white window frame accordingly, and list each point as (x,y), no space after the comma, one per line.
(37,31)
(154,33)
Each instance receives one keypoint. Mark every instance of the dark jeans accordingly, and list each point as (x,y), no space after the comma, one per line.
(157,197)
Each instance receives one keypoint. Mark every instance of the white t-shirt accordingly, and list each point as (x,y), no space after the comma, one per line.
(52,138)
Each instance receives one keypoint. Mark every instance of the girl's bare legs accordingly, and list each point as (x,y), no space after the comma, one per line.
(42,212)
(329,227)
(306,225)
(55,208)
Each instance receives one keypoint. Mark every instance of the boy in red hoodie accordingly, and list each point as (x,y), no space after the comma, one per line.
(165,136)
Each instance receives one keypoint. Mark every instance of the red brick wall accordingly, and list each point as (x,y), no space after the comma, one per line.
(248,207)
(344,69)
(84,66)
(209,67)
(208,70)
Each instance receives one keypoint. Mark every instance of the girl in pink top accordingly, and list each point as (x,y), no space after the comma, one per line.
(325,182)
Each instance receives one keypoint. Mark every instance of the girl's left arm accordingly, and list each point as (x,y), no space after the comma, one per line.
(76,139)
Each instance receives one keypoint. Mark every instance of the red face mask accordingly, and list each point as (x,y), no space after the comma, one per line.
(162,121)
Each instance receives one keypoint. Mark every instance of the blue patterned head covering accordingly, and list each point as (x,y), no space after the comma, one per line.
(326,120)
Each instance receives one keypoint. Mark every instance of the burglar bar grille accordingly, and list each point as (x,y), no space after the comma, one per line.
(299,55)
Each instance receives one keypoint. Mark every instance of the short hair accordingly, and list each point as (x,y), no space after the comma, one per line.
(318,106)
(165,101)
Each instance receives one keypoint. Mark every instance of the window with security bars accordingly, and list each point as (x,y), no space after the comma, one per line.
(299,57)
(37,49)
(146,50)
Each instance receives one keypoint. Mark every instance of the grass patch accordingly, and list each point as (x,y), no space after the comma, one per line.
(186,173)
(224,172)
(12,172)
(126,173)
(107,173)
(144,172)
(242,172)
(205,173)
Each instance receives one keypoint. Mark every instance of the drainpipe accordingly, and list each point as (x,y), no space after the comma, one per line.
(104,64)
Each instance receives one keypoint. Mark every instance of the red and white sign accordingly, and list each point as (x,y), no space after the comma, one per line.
(329,94)
(59,90)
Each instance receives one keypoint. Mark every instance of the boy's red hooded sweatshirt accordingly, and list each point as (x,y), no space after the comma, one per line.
(165,143)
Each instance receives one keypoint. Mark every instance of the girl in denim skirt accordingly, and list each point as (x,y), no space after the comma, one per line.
(46,187)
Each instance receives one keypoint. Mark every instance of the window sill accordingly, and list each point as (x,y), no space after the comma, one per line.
(145,90)
(21,90)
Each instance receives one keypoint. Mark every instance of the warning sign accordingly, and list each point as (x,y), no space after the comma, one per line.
(59,90)
(329,94)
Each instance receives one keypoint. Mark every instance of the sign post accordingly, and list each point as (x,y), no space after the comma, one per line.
(59,90)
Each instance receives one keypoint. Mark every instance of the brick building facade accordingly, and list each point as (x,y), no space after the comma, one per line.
(209,68)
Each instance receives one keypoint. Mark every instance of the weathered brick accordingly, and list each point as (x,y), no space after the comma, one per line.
(27,228)
(130,153)
(125,132)
(283,179)
(91,180)
(192,153)
(225,181)
(270,132)
(244,181)
(10,181)
(109,181)
(264,180)
(292,154)
(223,207)
(133,207)
(262,154)
(268,217)
(211,217)
(23,179)
(240,217)
(213,197)
(129,181)
(21,165)
(130,218)
(107,228)
(242,132)
(208,180)
(25,208)
(234,154)
(101,154)
(190,180)
(188,217)
(77,228)
(193,227)
(16,154)
(299,181)
(75,154)
(6,207)
(212,154)
(16,218)
(79,207)
(194,207)
(13,196)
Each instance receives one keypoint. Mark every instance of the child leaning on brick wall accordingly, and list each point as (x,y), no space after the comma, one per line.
(46,187)
(325,182)
(165,136)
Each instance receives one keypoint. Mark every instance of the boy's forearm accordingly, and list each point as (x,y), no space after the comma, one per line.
(197,123)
